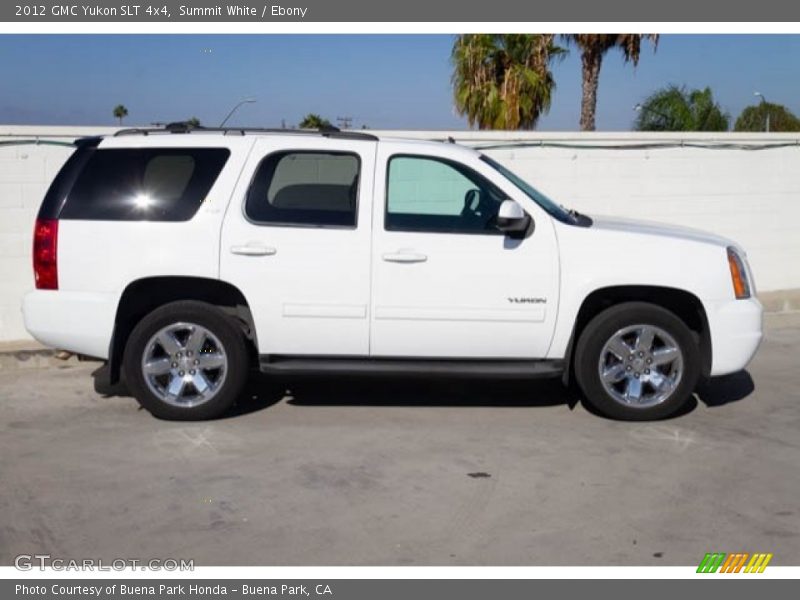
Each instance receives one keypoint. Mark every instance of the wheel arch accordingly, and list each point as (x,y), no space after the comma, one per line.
(684,304)
(143,296)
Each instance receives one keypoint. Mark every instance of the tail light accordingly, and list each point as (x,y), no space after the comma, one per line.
(45,254)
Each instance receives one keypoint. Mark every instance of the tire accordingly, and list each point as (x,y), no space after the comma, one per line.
(634,389)
(186,361)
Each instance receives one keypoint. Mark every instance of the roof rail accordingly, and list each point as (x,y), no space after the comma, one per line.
(185,127)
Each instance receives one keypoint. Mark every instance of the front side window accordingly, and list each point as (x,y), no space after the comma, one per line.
(434,195)
(144,184)
(305,188)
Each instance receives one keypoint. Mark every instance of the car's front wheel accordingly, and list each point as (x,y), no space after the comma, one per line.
(186,361)
(637,361)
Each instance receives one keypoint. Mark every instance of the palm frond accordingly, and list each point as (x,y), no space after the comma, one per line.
(503,81)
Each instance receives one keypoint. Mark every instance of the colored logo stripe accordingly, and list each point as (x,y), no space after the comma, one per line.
(711,562)
(734,563)
(758,563)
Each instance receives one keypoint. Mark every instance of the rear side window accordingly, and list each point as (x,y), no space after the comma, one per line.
(314,189)
(144,184)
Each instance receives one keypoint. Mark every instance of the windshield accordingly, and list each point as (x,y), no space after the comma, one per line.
(553,209)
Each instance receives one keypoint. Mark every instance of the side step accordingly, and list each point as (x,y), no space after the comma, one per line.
(465,368)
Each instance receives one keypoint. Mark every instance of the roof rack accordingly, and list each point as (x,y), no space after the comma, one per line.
(185,127)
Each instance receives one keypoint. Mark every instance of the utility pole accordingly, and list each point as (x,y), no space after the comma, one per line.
(344,122)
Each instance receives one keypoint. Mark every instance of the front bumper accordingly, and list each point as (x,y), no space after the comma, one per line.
(80,322)
(736,331)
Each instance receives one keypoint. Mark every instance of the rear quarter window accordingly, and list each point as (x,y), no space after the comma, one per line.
(144,184)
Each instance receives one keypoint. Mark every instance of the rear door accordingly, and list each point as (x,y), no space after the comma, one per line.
(296,242)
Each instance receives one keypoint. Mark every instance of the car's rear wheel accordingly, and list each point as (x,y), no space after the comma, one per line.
(186,361)
(637,361)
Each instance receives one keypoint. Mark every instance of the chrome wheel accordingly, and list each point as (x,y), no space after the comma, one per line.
(184,364)
(640,366)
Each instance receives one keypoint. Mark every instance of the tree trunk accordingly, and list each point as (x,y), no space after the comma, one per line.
(591,62)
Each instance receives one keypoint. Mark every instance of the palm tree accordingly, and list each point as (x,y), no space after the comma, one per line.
(674,108)
(754,118)
(120,112)
(314,121)
(593,47)
(503,81)
(193,122)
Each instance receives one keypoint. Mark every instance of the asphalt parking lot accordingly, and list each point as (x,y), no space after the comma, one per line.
(404,473)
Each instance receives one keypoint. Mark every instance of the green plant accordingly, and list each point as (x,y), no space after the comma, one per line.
(503,81)
(675,108)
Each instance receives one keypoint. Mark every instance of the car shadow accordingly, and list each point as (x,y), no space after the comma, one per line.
(262,392)
(719,391)
(259,393)
(413,391)
(713,392)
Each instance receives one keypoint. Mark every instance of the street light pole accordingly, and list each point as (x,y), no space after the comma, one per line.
(233,110)
(766,108)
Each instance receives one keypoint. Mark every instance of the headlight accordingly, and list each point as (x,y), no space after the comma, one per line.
(741,283)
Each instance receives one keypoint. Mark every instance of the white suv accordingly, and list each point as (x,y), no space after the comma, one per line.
(185,258)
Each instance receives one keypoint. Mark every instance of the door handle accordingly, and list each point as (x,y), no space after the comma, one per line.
(253,250)
(405,257)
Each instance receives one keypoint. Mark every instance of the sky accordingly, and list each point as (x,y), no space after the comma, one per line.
(381,81)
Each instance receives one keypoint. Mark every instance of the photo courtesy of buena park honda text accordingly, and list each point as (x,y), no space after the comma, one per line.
(355,300)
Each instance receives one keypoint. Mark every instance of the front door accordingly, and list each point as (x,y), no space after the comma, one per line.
(446,282)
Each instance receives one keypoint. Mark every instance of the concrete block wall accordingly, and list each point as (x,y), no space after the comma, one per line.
(25,172)
(733,187)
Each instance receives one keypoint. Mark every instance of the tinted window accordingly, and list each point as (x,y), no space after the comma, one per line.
(428,194)
(59,189)
(156,184)
(305,188)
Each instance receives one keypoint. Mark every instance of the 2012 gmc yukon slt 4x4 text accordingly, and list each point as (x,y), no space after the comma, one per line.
(187,258)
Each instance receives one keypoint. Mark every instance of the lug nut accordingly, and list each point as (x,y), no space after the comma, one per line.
(197,362)
(647,371)
(174,365)
(628,368)
(649,361)
(189,353)
(641,354)
(178,355)
(181,373)
(636,374)
(191,372)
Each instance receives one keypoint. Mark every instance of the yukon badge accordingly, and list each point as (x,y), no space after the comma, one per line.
(525,300)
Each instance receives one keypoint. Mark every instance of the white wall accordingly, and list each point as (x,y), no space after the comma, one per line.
(750,195)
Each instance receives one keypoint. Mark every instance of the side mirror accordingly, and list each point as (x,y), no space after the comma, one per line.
(512,220)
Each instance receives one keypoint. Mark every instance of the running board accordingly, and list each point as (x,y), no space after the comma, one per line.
(466,368)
